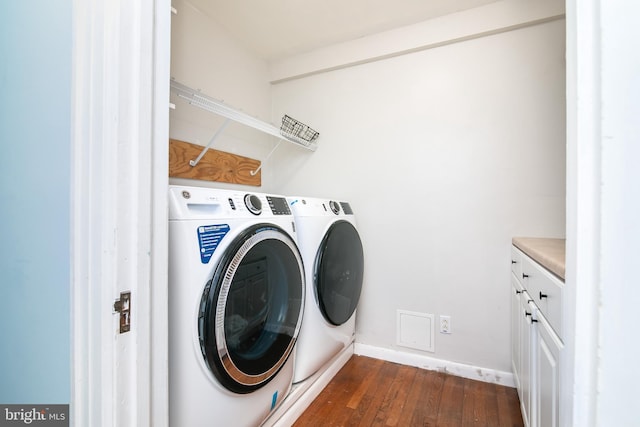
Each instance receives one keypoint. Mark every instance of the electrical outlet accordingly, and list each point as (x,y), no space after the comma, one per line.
(445,324)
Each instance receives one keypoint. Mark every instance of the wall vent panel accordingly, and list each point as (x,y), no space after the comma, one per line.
(415,330)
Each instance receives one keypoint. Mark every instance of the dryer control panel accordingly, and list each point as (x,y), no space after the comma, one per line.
(346,208)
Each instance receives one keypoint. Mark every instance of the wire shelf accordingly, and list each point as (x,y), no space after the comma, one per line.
(199,99)
(294,131)
(298,131)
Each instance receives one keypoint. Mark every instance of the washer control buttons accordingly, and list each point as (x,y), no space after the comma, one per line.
(253,203)
(278,205)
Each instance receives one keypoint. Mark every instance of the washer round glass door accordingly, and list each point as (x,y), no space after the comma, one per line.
(339,269)
(251,309)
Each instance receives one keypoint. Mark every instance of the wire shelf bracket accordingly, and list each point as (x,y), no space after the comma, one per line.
(193,163)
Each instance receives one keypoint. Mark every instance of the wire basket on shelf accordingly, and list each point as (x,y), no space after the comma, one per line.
(297,131)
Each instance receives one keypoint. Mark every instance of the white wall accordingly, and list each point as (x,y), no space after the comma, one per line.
(445,154)
(492,18)
(35,82)
(204,56)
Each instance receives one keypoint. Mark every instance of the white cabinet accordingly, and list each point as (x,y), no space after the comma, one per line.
(536,345)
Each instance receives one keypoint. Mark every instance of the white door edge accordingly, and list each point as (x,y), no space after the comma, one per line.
(119,221)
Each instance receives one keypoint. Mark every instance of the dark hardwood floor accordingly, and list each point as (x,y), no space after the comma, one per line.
(371,392)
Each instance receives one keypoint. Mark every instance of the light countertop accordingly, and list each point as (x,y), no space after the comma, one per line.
(550,253)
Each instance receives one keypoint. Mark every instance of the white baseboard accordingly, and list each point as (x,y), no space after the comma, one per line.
(433,364)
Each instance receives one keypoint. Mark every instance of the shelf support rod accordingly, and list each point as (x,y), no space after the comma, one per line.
(253,173)
(193,163)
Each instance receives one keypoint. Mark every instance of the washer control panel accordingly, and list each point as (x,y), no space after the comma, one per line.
(279,205)
(256,204)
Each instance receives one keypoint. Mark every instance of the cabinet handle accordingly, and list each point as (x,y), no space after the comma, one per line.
(524,276)
(543,295)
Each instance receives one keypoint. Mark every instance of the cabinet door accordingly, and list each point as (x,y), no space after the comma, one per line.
(547,372)
(526,357)
(516,334)
(546,290)
(516,261)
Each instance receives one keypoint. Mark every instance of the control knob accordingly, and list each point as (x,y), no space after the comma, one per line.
(253,203)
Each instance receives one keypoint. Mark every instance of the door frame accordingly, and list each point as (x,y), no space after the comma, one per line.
(602,214)
(120,107)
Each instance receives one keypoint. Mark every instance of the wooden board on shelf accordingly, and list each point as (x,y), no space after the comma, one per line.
(215,165)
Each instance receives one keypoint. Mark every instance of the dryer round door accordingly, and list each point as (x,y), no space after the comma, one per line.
(339,269)
(251,309)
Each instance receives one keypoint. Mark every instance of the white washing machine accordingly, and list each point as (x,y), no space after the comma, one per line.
(236,301)
(334,266)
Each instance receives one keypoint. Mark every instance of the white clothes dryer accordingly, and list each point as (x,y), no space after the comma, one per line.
(236,301)
(334,267)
